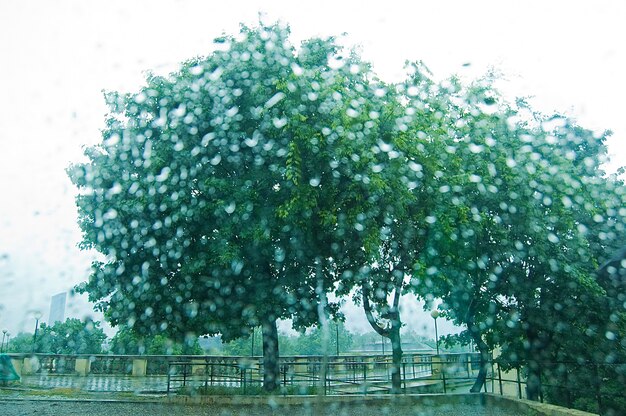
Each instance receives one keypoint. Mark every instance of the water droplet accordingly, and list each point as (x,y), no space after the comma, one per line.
(196,70)
(279,122)
(276,98)
(351,112)
(230,208)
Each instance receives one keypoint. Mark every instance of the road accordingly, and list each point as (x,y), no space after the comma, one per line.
(20,407)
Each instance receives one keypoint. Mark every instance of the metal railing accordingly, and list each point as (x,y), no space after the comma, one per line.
(57,364)
(589,386)
(330,375)
(584,385)
(111,365)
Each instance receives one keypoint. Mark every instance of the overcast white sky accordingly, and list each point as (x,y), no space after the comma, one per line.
(57,56)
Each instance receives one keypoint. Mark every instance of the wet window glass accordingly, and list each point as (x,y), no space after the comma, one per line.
(330,207)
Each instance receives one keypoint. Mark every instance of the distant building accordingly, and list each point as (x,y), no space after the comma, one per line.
(57,308)
(210,345)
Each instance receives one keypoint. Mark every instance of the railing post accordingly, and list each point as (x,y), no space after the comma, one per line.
(169,376)
(139,367)
(31,365)
(206,375)
(365,377)
(500,379)
(324,369)
(519,385)
(443,374)
(404,376)
(82,366)
(17,365)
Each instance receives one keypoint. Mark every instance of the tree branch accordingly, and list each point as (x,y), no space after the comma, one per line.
(368,313)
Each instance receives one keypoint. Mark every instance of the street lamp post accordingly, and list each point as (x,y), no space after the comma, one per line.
(6,348)
(435,315)
(4,334)
(37,318)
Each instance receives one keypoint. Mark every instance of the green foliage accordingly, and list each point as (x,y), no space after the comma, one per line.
(524,215)
(206,194)
(249,184)
(70,337)
(223,196)
(316,341)
(310,342)
(126,342)
(21,343)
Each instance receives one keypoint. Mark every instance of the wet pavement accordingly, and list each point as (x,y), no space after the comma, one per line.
(13,407)
(98,383)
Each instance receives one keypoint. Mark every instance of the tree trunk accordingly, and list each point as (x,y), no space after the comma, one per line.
(538,342)
(396,368)
(393,334)
(483,349)
(533,381)
(271,369)
(482,346)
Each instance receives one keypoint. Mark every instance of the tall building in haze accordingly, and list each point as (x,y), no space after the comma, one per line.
(57,308)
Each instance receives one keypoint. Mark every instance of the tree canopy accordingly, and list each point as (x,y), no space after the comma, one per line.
(70,337)
(220,191)
(248,185)
(523,221)
(126,342)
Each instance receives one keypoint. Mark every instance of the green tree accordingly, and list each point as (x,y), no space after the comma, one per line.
(219,193)
(126,342)
(413,122)
(521,225)
(70,337)
(21,343)
(243,346)
(316,342)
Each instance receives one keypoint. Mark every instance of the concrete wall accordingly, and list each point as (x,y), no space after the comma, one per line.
(529,407)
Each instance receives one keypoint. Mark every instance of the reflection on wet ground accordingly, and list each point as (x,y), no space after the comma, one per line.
(99,383)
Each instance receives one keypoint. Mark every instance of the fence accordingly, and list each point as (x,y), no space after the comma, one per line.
(586,386)
(330,375)
(589,386)
(352,371)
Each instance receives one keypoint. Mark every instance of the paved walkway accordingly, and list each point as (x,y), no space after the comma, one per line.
(13,407)
(158,384)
